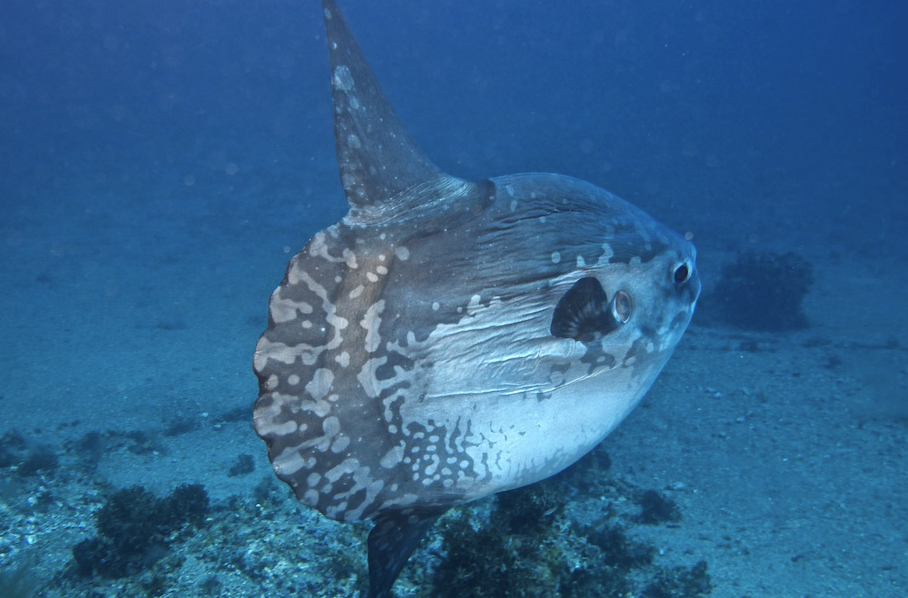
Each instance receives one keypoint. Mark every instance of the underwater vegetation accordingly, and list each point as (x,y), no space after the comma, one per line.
(762,292)
(528,548)
(12,446)
(524,543)
(40,459)
(34,461)
(243,465)
(657,508)
(135,529)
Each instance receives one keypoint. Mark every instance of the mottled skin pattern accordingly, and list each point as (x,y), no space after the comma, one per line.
(405,369)
(410,362)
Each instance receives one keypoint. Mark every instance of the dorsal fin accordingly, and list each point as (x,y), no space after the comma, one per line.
(383,171)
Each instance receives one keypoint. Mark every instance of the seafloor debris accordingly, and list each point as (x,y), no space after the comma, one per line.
(576,535)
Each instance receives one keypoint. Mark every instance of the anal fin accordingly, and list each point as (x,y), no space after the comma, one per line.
(395,536)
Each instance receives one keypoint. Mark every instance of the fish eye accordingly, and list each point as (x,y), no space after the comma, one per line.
(622,306)
(682,273)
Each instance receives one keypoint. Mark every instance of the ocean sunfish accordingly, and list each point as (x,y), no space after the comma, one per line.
(451,338)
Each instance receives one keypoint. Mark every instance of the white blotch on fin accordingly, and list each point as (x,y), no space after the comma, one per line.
(285,310)
(321,383)
(343,78)
(371,321)
(392,457)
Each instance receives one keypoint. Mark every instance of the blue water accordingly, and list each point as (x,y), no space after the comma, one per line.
(161,161)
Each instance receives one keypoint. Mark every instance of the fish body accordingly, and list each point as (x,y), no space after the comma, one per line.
(450,338)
